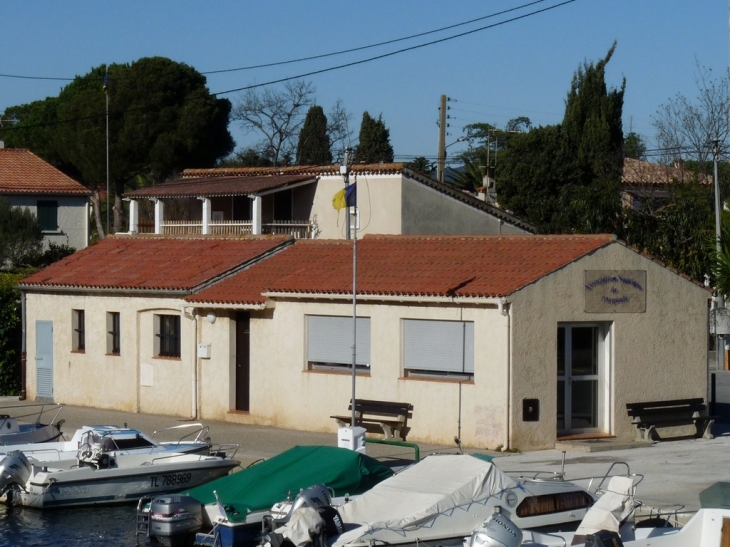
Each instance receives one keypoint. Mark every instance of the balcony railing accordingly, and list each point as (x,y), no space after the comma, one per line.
(299,229)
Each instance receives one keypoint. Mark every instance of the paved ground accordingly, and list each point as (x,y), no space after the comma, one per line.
(675,472)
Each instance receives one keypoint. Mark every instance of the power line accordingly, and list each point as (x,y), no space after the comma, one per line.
(387,42)
(397,52)
(323,55)
(338,67)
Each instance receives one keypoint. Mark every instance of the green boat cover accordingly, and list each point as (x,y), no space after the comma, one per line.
(260,486)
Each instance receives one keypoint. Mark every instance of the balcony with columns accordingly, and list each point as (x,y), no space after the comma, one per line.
(244,206)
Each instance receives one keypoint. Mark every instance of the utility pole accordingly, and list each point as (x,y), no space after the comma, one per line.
(719,297)
(442,139)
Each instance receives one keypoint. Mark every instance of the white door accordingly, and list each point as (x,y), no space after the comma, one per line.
(582,371)
(44,358)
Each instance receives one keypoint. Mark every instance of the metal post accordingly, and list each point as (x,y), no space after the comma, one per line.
(106,93)
(354,320)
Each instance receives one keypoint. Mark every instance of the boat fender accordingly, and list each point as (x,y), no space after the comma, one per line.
(604,538)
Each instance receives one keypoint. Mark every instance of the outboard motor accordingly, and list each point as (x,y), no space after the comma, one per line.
(14,469)
(498,531)
(317,497)
(175,518)
(604,538)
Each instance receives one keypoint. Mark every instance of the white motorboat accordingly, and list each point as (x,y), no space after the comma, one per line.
(23,424)
(707,528)
(612,522)
(443,498)
(117,441)
(98,476)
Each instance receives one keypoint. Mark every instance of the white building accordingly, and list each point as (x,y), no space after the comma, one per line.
(511,341)
(60,203)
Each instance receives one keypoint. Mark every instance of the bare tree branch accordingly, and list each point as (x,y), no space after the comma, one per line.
(277,115)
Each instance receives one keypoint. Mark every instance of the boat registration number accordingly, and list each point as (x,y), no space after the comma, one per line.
(170,480)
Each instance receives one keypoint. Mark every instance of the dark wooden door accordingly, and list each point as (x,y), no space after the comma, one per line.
(243,362)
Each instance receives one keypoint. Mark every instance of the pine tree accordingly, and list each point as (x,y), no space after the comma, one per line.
(374,140)
(314,142)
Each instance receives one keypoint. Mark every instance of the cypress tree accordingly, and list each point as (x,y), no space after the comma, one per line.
(374,142)
(567,178)
(314,142)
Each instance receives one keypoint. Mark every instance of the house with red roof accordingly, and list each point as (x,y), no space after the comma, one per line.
(642,181)
(511,341)
(298,201)
(60,203)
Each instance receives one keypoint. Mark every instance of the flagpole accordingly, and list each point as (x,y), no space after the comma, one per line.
(354,310)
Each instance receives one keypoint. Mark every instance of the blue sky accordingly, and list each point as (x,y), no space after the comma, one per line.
(519,68)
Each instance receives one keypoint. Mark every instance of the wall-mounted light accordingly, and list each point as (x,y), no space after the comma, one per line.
(211,318)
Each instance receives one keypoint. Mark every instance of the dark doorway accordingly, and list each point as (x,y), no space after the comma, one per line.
(243,363)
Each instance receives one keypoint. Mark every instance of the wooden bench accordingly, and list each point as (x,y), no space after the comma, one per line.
(646,417)
(385,417)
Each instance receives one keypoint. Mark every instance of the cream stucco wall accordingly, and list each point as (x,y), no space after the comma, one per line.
(656,355)
(378,199)
(95,379)
(285,394)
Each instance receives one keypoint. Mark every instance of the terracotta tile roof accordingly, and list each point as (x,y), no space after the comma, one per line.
(249,177)
(213,186)
(466,266)
(325,170)
(22,172)
(152,262)
(644,173)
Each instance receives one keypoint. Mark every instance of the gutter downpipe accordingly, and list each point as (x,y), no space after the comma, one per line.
(23,352)
(507,312)
(194,385)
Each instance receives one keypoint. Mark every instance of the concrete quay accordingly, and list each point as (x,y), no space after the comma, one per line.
(674,471)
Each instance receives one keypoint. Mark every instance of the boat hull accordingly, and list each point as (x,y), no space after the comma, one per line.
(87,485)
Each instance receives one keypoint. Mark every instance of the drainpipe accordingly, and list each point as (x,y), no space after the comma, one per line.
(506,310)
(23,353)
(194,381)
(196,363)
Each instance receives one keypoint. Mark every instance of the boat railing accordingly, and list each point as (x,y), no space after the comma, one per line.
(200,432)
(226,451)
(538,475)
(594,484)
(661,516)
(36,411)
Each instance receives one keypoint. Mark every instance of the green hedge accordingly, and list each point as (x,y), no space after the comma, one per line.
(10,333)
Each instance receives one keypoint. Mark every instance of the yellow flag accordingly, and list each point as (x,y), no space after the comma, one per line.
(339,201)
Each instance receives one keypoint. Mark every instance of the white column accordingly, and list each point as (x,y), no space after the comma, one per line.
(159,215)
(207,215)
(256,214)
(133,216)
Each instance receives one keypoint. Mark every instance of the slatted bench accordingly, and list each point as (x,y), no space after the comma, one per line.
(383,417)
(646,417)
